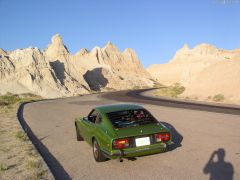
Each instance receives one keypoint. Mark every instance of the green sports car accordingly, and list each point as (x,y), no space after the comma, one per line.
(122,131)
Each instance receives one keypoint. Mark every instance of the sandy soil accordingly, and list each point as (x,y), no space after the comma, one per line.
(18,157)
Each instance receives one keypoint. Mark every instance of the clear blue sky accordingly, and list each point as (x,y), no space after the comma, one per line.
(154,28)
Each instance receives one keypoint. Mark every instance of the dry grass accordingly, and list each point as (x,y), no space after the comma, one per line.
(10,101)
(18,157)
(170,91)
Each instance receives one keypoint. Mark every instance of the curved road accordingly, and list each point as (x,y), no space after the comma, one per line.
(199,132)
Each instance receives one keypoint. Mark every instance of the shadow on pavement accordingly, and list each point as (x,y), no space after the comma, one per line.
(177,137)
(217,168)
(56,168)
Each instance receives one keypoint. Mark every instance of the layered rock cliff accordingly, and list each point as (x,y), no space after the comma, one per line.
(54,72)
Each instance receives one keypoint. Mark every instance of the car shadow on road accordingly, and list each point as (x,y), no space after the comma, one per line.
(176,136)
(56,168)
(217,168)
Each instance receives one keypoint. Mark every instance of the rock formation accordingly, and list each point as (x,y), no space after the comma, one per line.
(205,71)
(54,72)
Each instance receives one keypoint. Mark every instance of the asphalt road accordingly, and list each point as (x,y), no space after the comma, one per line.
(199,133)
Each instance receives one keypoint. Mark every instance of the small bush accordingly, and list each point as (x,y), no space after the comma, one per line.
(3,167)
(177,89)
(10,101)
(34,162)
(171,91)
(218,97)
(21,135)
(41,174)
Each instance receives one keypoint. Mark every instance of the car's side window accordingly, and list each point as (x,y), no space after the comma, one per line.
(92,116)
(98,119)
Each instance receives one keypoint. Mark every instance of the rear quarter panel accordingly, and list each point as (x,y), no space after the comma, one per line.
(105,133)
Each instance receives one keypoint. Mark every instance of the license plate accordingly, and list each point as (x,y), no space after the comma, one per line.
(142,141)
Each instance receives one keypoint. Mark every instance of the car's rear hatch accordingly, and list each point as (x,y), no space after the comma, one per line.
(140,130)
(140,135)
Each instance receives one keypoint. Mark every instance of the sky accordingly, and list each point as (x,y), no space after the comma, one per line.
(155,29)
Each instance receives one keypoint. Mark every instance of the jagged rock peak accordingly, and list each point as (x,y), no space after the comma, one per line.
(57,39)
(56,48)
(82,52)
(57,42)
(110,46)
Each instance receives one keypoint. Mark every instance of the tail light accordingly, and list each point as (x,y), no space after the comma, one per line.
(121,143)
(162,137)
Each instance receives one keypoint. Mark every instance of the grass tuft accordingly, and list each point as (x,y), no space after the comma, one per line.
(218,98)
(21,135)
(10,101)
(171,91)
(3,167)
(34,162)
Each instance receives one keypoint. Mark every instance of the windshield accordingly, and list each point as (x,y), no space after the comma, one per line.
(130,118)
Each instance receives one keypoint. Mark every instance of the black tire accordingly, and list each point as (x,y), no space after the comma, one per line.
(97,153)
(79,137)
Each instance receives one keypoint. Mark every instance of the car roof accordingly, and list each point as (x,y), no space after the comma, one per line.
(117,107)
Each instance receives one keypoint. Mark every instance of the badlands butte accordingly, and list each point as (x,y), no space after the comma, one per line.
(205,71)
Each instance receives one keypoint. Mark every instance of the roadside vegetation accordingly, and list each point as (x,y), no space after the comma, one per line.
(10,102)
(18,157)
(218,98)
(172,91)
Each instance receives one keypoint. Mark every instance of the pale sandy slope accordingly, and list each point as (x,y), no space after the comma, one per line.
(221,78)
(204,70)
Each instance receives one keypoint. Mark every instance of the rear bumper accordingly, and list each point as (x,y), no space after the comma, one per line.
(138,151)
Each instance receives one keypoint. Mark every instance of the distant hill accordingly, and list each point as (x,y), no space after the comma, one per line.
(205,71)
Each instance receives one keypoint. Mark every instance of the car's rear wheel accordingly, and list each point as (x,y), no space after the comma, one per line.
(79,137)
(97,153)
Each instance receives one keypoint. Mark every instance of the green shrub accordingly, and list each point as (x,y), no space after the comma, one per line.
(9,100)
(171,91)
(3,167)
(21,135)
(218,97)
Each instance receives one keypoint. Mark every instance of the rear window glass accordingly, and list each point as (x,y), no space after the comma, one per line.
(130,118)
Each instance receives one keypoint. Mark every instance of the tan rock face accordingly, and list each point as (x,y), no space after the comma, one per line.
(27,71)
(56,73)
(221,78)
(204,70)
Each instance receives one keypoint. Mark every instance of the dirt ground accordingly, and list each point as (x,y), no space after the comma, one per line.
(18,157)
